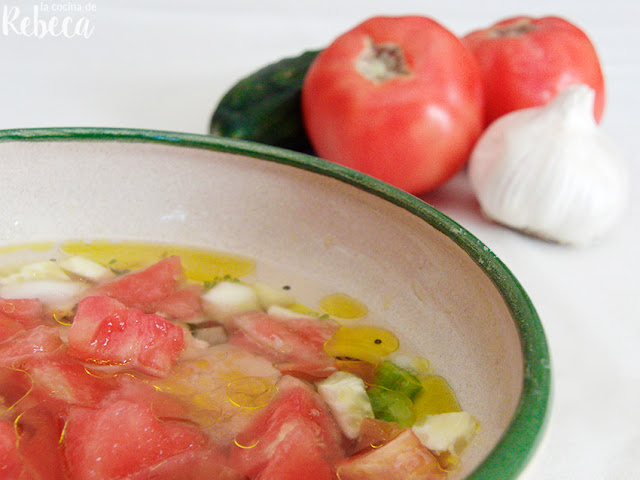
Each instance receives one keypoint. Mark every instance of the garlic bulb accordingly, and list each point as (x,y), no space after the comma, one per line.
(550,171)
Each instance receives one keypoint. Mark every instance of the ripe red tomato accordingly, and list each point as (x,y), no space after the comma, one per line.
(398,98)
(526,61)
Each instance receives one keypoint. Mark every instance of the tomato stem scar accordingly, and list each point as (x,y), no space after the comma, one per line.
(381,62)
(514,29)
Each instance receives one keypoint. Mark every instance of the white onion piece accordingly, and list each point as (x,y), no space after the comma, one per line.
(53,293)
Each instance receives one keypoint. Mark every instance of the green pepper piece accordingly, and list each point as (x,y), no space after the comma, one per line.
(393,377)
(392,406)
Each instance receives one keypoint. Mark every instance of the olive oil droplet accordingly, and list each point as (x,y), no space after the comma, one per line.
(343,306)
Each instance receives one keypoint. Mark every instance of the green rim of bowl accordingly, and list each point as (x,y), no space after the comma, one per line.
(522,437)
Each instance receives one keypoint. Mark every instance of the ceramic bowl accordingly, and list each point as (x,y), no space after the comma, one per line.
(420,274)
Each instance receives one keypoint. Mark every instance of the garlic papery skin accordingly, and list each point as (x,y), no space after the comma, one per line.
(551,171)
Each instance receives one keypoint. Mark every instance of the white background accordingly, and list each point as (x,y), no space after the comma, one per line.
(164,64)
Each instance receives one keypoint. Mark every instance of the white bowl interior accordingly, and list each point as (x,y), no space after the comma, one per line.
(316,233)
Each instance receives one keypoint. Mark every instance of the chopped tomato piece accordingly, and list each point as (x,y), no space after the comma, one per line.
(297,457)
(142,289)
(121,438)
(375,433)
(8,328)
(157,289)
(295,345)
(296,413)
(194,464)
(403,457)
(38,440)
(64,379)
(184,304)
(19,314)
(105,331)
(28,311)
(27,343)
(10,462)
(15,389)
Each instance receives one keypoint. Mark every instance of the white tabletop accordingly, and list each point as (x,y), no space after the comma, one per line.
(164,64)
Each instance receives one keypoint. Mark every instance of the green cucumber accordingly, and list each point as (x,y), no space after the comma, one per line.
(265,106)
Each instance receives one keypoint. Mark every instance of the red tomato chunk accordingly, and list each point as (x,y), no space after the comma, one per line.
(142,289)
(156,289)
(38,432)
(403,457)
(297,424)
(123,437)
(104,331)
(10,461)
(26,343)
(296,345)
(17,315)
